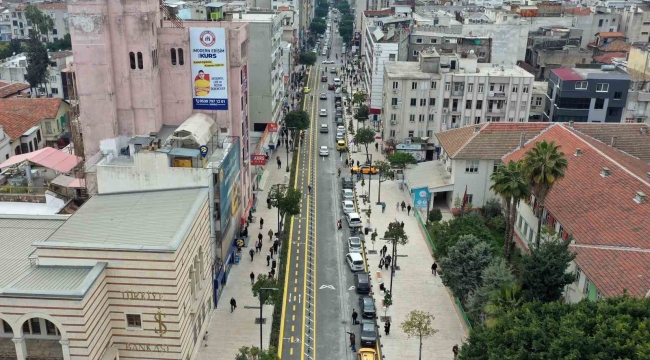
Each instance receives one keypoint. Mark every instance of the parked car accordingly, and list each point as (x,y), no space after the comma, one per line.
(367,306)
(323,78)
(367,354)
(340,135)
(348,206)
(354,220)
(340,128)
(355,262)
(340,145)
(327,62)
(323,112)
(368,333)
(362,283)
(354,244)
(323,151)
(348,184)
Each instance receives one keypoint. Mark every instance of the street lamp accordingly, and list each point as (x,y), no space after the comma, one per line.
(369,176)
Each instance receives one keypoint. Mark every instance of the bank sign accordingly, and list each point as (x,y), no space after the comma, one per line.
(229,187)
(209,68)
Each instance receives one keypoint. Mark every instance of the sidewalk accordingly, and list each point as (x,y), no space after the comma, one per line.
(227,332)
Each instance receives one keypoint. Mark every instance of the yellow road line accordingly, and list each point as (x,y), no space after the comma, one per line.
(315,253)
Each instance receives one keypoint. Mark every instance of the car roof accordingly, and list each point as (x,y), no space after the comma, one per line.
(346,190)
(348,201)
(362,276)
(355,256)
(323,147)
(353,214)
(367,299)
(323,109)
(323,125)
(355,241)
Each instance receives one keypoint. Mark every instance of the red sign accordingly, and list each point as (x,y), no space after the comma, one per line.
(272,127)
(258,159)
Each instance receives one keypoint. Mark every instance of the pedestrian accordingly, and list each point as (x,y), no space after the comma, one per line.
(268,202)
(271,251)
(354,317)
(262,222)
(279,163)
(252,278)
(309,188)
(260,237)
(385,249)
(353,341)
(408,210)
(338,224)
(403,205)
(358,163)
(455,351)
(270,234)
(402,224)
(346,162)
(383,208)
(381,262)
(387,327)
(272,273)
(386,262)
(274,263)
(268,259)
(276,245)
(233,304)
(434,269)
(397,206)
(376,146)
(339,172)
(252,253)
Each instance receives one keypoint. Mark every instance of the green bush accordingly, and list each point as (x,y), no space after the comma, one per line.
(492,208)
(435,215)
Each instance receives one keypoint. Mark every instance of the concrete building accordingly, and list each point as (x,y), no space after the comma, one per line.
(586,95)
(447,91)
(152,83)
(538,101)
(90,289)
(5,145)
(265,70)
(5,24)
(638,97)
(57,11)
(422,39)
(600,206)
(635,23)
(49,115)
(608,43)
(555,47)
(597,19)
(14,70)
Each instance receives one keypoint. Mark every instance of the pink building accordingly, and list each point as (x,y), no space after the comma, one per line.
(134,74)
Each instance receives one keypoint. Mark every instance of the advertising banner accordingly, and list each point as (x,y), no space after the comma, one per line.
(229,187)
(209,68)
(258,159)
(421,197)
(273,127)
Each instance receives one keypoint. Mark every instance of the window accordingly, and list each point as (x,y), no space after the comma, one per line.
(132,59)
(431,117)
(470,88)
(414,102)
(411,133)
(393,117)
(603,87)
(617,95)
(511,119)
(133,321)
(414,85)
(600,22)
(468,104)
(459,87)
(479,104)
(585,288)
(418,41)
(429,133)
(140,61)
(391,57)
(521,119)
(54,32)
(515,89)
(392,133)
(48,127)
(393,101)
(434,84)
(423,102)
(445,103)
(581,85)
(600,104)
(578,274)
(496,164)
(395,85)
(502,88)
(481,88)
(412,118)
(433,41)
(173,56)
(524,89)
(523,106)
(471,166)
(421,118)
(454,104)
(416,53)
(538,101)
(465,120)
(38,135)
(432,101)
(447,86)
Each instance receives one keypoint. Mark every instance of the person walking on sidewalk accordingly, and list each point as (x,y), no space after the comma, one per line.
(262,222)
(260,237)
(354,317)
(387,327)
(271,251)
(381,262)
(408,210)
(252,278)
(402,225)
(434,269)
(276,245)
(268,259)
(403,205)
(251,252)
(376,146)
(383,208)
(339,172)
(385,249)
(233,304)
(270,234)
(388,261)
(397,206)
(455,351)
(309,188)
(279,163)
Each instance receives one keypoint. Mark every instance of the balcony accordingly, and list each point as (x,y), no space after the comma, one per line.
(497,94)
(496,110)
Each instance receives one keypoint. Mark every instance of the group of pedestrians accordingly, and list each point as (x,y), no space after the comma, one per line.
(403,206)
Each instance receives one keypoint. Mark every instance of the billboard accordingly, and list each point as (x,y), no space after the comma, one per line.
(229,190)
(209,68)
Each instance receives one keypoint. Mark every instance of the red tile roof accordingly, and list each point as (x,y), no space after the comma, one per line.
(568,74)
(607,58)
(7,90)
(53,6)
(15,125)
(616,45)
(633,139)
(577,11)
(600,211)
(610,34)
(42,108)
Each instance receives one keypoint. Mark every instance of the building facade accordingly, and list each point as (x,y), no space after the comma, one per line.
(638,97)
(635,23)
(586,95)
(57,11)
(420,40)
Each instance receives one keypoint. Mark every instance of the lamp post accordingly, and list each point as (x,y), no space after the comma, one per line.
(262,290)
(369,176)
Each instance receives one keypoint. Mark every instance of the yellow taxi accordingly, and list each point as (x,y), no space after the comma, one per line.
(365,169)
(340,145)
(306,90)
(367,354)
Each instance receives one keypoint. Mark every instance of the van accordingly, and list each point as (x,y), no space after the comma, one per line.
(337,81)
(354,220)
(340,145)
(355,261)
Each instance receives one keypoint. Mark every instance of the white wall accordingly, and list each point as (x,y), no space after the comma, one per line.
(478,184)
(380,53)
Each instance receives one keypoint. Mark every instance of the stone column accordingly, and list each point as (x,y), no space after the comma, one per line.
(65,348)
(21,348)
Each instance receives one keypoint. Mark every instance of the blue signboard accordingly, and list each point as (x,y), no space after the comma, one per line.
(229,186)
(421,197)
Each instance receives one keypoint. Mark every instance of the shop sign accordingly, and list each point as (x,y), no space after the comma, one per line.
(146,347)
(258,159)
(142,295)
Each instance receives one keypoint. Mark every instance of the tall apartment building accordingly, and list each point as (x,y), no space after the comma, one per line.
(57,11)
(422,39)
(14,69)
(586,94)
(5,24)
(635,23)
(597,19)
(637,108)
(447,91)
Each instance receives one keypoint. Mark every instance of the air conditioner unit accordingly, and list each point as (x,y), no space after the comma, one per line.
(444,111)
(393,122)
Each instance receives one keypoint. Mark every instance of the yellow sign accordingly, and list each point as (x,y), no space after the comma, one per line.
(162,328)
(240,242)
(142,295)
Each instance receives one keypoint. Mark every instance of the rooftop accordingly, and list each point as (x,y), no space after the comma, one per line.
(146,220)
(630,138)
(488,141)
(407,69)
(607,57)
(16,125)
(7,90)
(600,212)
(578,74)
(610,34)
(615,46)
(42,108)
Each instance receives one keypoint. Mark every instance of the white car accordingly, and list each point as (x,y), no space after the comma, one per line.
(340,128)
(323,96)
(355,261)
(347,194)
(348,206)
(323,112)
(354,220)
(323,151)
(354,245)
(327,62)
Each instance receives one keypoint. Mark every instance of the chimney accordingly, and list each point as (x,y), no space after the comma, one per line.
(578,152)
(613,142)
(605,172)
(644,130)
(571,124)
(640,197)
(477,129)
(522,139)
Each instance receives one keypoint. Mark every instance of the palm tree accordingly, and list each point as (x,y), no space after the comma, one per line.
(544,165)
(503,301)
(510,183)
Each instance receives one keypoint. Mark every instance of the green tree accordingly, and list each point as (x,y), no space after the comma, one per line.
(401,159)
(510,183)
(365,137)
(317,27)
(10,48)
(346,33)
(447,233)
(307,58)
(435,215)
(463,266)
(41,23)
(321,11)
(362,114)
(420,324)
(503,300)
(359,97)
(61,44)
(298,120)
(395,235)
(36,52)
(269,297)
(254,353)
(344,7)
(613,328)
(383,172)
(544,165)
(286,201)
(544,272)
(494,276)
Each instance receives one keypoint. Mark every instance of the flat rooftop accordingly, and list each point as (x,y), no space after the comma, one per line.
(407,69)
(145,220)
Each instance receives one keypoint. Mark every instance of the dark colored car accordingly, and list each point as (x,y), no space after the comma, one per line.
(367,306)
(323,78)
(348,183)
(339,113)
(339,120)
(362,283)
(331,87)
(368,334)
